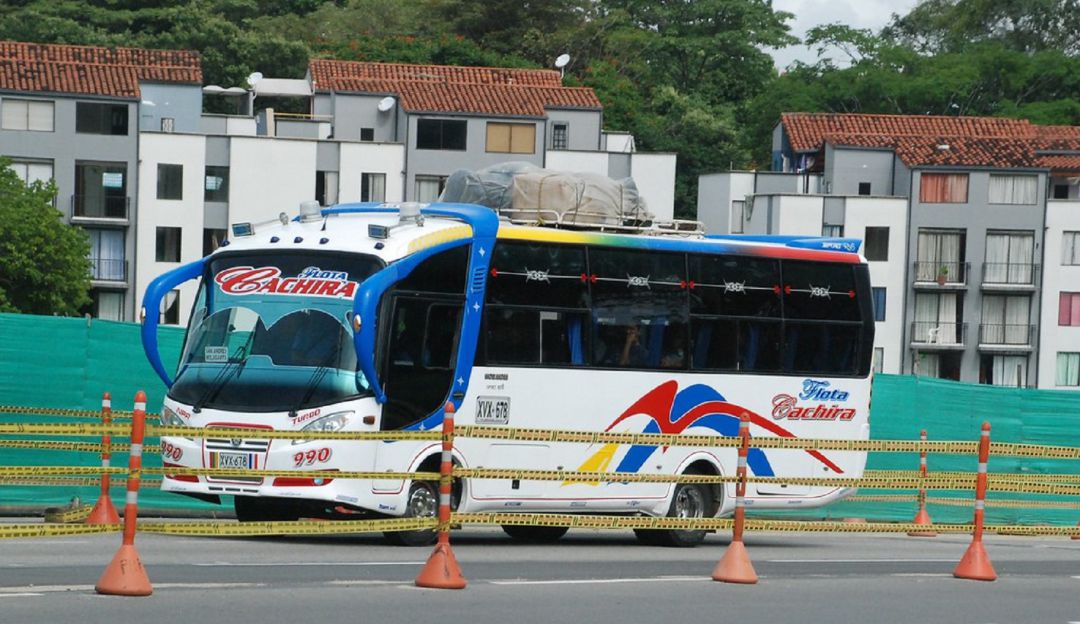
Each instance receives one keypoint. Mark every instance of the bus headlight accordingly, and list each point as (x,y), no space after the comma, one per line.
(327,424)
(170,418)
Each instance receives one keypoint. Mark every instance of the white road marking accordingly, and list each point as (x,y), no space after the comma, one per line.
(860,560)
(658,579)
(206,585)
(349,583)
(44,588)
(52,589)
(919,574)
(301,564)
(18,595)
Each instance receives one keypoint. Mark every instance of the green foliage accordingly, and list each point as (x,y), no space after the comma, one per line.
(44,267)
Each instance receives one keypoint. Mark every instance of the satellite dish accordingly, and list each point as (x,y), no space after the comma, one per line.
(386,104)
(254,78)
(562,61)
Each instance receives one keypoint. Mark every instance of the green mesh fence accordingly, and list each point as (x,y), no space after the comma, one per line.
(68,363)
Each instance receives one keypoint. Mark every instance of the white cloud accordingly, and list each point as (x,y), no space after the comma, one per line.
(871,14)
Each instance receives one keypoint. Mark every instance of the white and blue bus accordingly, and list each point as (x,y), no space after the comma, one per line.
(371,317)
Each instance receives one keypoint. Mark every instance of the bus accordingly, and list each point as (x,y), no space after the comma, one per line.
(370,317)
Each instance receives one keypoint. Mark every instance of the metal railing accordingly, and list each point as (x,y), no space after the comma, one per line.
(1008,334)
(938,334)
(108,269)
(943,273)
(100,207)
(1009,273)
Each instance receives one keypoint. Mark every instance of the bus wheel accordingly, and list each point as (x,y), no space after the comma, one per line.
(423,502)
(691,500)
(535,534)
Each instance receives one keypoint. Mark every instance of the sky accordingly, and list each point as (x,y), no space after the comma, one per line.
(872,14)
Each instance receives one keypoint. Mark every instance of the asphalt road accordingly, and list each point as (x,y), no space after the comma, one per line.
(588,577)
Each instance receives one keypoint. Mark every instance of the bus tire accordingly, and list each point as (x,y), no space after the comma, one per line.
(260,509)
(691,500)
(535,534)
(422,502)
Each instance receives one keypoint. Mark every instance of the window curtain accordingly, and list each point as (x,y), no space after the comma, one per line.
(107,254)
(110,306)
(1069,309)
(1013,189)
(1017,318)
(997,259)
(926,315)
(1004,371)
(1070,250)
(993,320)
(936,251)
(1068,369)
(1021,248)
(947,319)
(943,188)
(930,365)
(427,189)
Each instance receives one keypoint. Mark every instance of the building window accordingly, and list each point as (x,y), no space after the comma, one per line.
(170,308)
(367,134)
(560,136)
(168,244)
(107,305)
(326,187)
(216,187)
(1068,369)
(1003,370)
(1061,191)
(832,231)
(212,239)
(440,134)
(428,187)
(940,256)
(879,303)
(1070,248)
(33,115)
(943,188)
(98,118)
(1069,309)
(507,138)
(32,171)
(170,181)
(168,124)
(1013,189)
(107,260)
(937,319)
(864,188)
(373,187)
(877,243)
(100,190)
(1009,258)
(1005,321)
(879,359)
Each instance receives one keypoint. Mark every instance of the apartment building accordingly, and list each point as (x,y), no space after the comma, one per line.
(157,182)
(967,224)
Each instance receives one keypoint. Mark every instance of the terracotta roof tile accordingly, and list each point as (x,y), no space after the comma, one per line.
(91,70)
(920,140)
(1061,163)
(447,89)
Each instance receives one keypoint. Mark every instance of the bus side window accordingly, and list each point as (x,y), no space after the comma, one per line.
(822,309)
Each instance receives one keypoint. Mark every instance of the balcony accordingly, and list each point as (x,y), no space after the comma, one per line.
(1006,337)
(108,270)
(933,336)
(93,207)
(1010,276)
(935,275)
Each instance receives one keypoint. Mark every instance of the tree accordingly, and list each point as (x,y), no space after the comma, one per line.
(43,262)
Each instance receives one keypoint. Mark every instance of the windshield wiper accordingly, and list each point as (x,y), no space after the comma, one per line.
(236,363)
(316,379)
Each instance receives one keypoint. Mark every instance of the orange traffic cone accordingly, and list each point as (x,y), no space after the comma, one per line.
(125,575)
(975,564)
(1077,537)
(441,570)
(735,566)
(104,512)
(922,518)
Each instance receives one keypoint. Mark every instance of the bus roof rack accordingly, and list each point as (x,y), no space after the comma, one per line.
(822,243)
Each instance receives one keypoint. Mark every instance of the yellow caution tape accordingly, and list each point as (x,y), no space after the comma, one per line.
(117,448)
(74,482)
(65,429)
(1002,476)
(41,471)
(884,498)
(301,527)
(1005,503)
(12,531)
(68,515)
(66,413)
(304,474)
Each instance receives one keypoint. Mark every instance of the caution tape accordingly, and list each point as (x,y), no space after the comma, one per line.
(304,474)
(73,482)
(43,471)
(13,531)
(1001,476)
(300,527)
(884,498)
(65,429)
(66,413)
(80,447)
(965,502)
(68,514)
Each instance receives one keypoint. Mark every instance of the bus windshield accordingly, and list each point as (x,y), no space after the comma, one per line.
(272,333)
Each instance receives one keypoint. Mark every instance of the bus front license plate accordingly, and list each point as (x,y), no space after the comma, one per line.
(492,410)
(234,460)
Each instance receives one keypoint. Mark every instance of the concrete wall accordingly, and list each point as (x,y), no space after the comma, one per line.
(654,175)
(583,128)
(268,176)
(1061,216)
(182,103)
(846,168)
(359,158)
(975,218)
(353,112)
(186,213)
